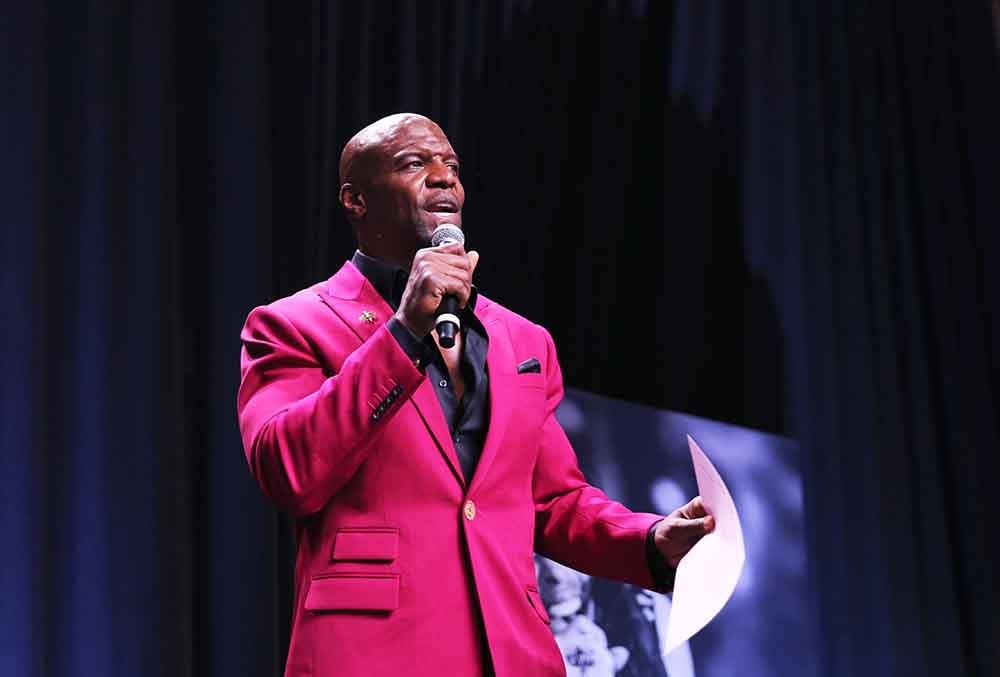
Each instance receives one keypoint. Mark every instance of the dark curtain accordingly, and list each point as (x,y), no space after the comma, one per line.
(779,216)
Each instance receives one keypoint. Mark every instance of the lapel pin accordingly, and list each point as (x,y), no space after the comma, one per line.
(367,316)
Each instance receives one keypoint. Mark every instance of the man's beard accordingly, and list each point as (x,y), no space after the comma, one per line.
(423,234)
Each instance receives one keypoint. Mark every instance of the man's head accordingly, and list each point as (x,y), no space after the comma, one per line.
(585,650)
(563,590)
(399,181)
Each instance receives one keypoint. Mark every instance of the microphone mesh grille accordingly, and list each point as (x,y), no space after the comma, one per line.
(447,233)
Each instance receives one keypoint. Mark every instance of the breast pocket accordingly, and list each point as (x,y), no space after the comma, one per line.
(531,380)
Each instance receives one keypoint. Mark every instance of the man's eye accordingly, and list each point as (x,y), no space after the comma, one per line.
(453,168)
(415,164)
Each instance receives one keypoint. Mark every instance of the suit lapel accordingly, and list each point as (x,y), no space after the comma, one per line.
(426,403)
(359,305)
(500,362)
(355,301)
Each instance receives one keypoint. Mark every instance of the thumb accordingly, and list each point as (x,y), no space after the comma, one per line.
(474,260)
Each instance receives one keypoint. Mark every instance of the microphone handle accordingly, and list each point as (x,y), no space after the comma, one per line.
(447,322)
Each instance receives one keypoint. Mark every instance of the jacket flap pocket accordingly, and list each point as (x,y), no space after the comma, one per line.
(536,602)
(354,592)
(366,544)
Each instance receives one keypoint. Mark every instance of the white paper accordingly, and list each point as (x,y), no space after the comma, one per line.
(708,573)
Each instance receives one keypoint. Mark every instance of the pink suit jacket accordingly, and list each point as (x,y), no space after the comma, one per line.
(401,563)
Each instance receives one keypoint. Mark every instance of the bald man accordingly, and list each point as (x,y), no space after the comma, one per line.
(423,478)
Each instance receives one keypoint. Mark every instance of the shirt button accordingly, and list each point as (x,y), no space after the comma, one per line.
(443,383)
(469,509)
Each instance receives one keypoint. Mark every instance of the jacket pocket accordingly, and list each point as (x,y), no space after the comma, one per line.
(536,603)
(353,592)
(366,544)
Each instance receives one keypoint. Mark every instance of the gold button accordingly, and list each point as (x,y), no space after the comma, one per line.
(470,510)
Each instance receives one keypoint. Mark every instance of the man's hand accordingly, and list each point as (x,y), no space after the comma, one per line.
(681,529)
(436,271)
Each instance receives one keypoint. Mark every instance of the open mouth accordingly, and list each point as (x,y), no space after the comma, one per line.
(443,207)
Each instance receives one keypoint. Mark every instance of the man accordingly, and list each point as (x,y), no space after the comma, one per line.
(423,478)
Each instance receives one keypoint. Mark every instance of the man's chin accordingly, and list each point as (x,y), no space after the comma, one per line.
(424,239)
(440,218)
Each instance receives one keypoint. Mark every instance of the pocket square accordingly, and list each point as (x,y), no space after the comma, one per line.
(530,366)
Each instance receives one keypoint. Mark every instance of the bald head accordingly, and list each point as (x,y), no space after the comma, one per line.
(362,153)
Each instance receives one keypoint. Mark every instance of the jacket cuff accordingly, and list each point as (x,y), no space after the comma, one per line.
(662,573)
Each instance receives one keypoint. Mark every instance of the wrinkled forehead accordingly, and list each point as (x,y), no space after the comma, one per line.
(378,143)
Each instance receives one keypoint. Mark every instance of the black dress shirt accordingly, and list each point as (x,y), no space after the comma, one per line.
(468,419)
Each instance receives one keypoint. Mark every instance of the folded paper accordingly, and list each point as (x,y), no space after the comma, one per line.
(708,573)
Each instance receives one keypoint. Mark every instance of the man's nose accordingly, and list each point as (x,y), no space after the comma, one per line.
(440,175)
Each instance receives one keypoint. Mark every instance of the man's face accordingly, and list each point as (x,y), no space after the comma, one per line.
(413,186)
(562,589)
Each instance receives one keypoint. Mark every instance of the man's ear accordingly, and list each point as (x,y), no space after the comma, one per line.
(353,201)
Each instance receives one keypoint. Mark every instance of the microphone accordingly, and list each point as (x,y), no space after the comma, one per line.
(446,318)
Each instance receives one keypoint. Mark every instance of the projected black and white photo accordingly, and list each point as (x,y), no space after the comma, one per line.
(639,455)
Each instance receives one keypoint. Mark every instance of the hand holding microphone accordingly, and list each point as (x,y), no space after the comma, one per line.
(439,285)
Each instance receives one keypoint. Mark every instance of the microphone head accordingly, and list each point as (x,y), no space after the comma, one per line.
(447,233)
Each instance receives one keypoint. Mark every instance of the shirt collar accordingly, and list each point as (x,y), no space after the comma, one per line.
(390,280)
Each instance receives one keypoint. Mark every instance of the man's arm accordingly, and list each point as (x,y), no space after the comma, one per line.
(578,525)
(305,434)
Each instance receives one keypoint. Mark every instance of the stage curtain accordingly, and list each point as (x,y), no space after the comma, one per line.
(780,215)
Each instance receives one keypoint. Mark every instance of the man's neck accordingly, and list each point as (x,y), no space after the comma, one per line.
(394,261)
(401,257)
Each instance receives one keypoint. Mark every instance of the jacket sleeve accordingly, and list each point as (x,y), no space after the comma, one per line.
(305,432)
(576,523)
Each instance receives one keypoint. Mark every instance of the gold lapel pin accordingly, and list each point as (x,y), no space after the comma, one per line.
(367,316)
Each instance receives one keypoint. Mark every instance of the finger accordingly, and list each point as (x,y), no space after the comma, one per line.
(693,508)
(450,282)
(427,275)
(473,261)
(443,283)
(694,528)
(460,270)
(454,259)
(449,248)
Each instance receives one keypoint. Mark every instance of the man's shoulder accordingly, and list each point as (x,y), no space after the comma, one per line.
(311,300)
(304,313)
(305,299)
(303,302)
(489,310)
